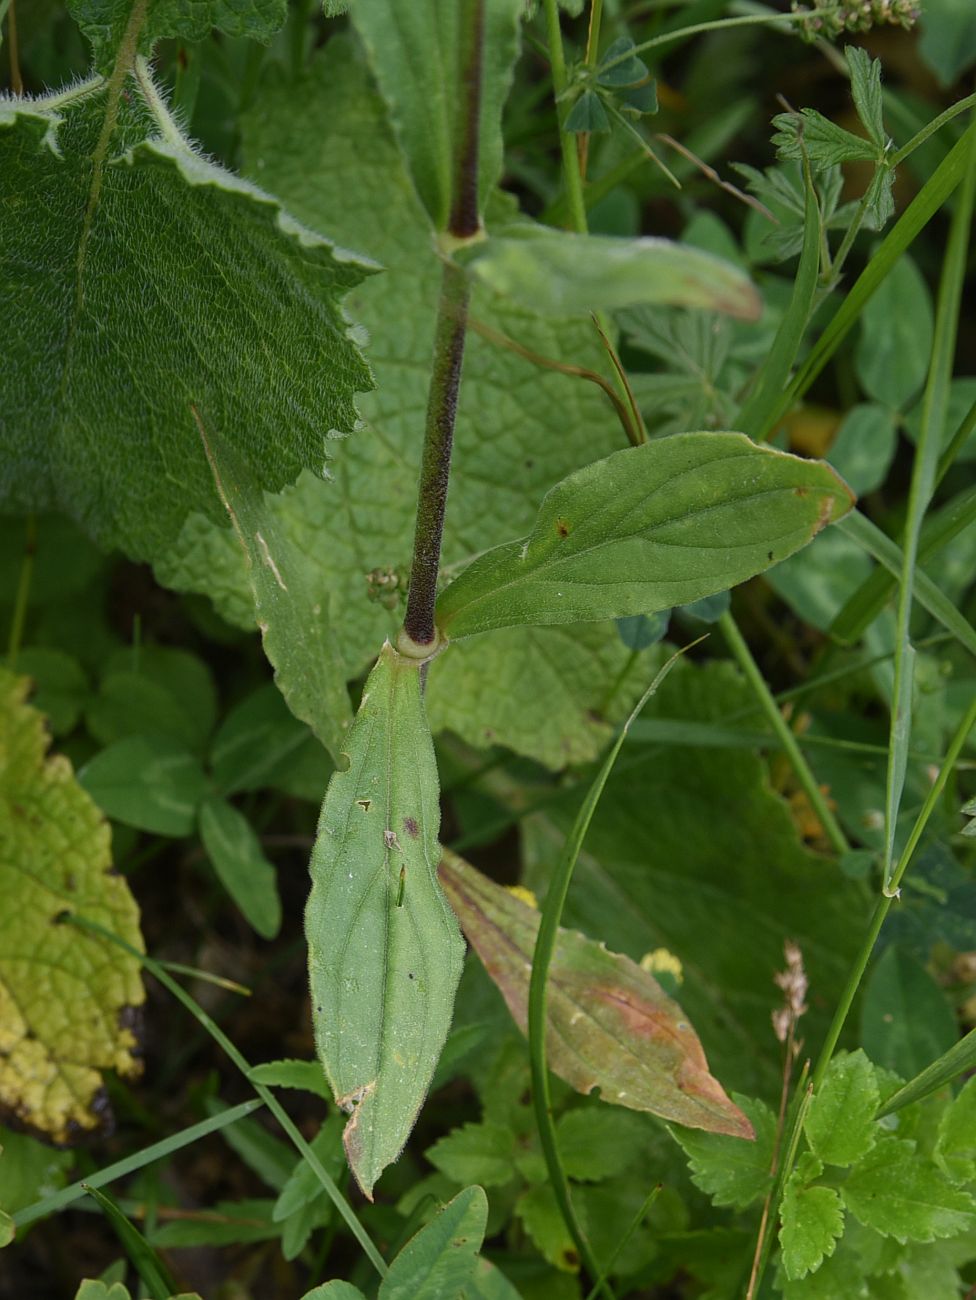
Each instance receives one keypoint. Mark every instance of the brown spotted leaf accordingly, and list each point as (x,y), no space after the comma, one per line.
(610,1024)
(65,995)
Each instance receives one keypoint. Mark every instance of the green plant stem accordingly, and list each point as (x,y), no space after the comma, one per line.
(935,404)
(718,24)
(268,1097)
(445,382)
(13,53)
(22,597)
(572,178)
(186,1137)
(808,782)
(930,128)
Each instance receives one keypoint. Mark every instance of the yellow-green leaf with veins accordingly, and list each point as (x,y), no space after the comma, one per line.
(142,283)
(384,949)
(66,997)
(520,427)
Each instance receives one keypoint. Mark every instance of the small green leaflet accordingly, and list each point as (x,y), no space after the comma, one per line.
(166,284)
(645,529)
(384,948)
(730,1171)
(900,1194)
(840,1121)
(812,1220)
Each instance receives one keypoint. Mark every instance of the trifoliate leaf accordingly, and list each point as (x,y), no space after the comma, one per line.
(423,55)
(812,1221)
(733,1172)
(144,284)
(609,1025)
(441,1257)
(619,66)
(840,1124)
(384,950)
(587,115)
(512,414)
(900,1194)
(645,529)
(476,1153)
(66,997)
(105,22)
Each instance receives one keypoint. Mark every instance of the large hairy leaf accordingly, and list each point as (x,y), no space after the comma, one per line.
(65,996)
(610,1025)
(142,283)
(646,529)
(694,853)
(384,950)
(520,427)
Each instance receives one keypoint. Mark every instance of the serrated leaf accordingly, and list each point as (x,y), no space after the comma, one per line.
(597,1142)
(384,948)
(104,22)
(475,1153)
(645,529)
(150,782)
(900,1194)
(420,57)
(812,1221)
(440,1259)
(609,1024)
(66,997)
(866,91)
(538,1212)
(840,1120)
(238,859)
(228,307)
(732,1172)
(560,273)
(825,143)
(362,520)
(955,1148)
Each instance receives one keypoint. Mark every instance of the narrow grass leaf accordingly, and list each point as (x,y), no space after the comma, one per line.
(958,1059)
(154,1273)
(645,529)
(384,947)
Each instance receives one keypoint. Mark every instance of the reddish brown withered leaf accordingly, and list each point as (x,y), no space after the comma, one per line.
(610,1025)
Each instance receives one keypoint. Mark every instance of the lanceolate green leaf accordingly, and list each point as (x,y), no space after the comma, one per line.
(610,1024)
(419,55)
(384,947)
(164,284)
(442,1257)
(559,273)
(648,528)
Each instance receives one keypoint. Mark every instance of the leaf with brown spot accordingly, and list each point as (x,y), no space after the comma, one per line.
(66,997)
(610,1024)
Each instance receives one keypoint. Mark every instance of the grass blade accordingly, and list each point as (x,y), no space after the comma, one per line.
(960,1057)
(155,1275)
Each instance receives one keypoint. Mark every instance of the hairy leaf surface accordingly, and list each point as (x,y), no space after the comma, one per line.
(140,282)
(648,528)
(610,1024)
(64,995)
(384,948)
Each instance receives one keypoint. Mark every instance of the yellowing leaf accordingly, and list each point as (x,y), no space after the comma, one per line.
(610,1025)
(384,952)
(65,996)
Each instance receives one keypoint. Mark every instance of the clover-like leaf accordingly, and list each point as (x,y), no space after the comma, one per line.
(66,997)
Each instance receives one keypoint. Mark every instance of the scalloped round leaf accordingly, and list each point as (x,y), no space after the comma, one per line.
(143,287)
(66,997)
